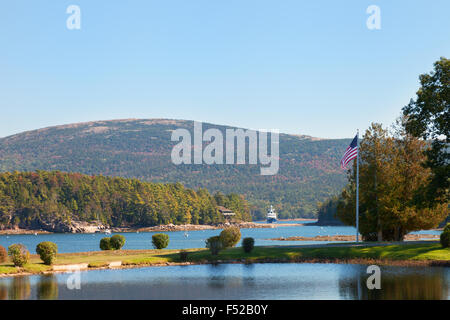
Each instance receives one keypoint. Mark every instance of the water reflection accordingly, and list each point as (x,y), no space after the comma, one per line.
(236,281)
(219,278)
(47,288)
(398,284)
(19,288)
(3,291)
(428,287)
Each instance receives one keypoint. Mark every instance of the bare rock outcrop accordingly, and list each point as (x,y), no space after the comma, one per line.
(61,226)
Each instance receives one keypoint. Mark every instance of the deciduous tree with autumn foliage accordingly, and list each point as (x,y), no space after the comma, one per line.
(391,178)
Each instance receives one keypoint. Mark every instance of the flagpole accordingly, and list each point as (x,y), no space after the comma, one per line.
(357,186)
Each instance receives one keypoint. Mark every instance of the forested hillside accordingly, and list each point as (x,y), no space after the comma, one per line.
(43,200)
(309,168)
(326,212)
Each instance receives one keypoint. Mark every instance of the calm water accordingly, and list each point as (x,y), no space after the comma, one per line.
(236,281)
(196,239)
(233,281)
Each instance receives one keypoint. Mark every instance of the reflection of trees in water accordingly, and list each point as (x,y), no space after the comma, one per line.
(3,291)
(19,288)
(222,282)
(421,287)
(418,286)
(47,288)
(249,277)
(216,277)
(219,280)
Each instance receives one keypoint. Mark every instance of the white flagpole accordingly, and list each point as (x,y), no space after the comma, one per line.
(357,186)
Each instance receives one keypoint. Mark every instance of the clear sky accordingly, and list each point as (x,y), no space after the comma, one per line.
(303,67)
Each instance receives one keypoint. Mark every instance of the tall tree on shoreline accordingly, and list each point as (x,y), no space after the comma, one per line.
(391,175)
(428,117)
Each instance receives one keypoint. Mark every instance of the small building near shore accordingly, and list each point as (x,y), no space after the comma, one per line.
(227,213)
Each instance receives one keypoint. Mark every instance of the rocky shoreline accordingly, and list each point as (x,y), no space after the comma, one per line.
(22,231)
(86,228)
(192,227)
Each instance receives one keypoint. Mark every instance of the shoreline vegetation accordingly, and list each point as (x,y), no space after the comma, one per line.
(65,202)
(425,253)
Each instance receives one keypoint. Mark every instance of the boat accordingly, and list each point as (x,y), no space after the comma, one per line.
(271,215)
(107,231)
(186,235)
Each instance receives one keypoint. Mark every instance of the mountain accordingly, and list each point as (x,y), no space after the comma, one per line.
(141,148)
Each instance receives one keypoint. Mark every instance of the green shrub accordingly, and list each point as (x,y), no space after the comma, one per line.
(184,255)
(160,240)
(248,244)
(445,236)
(117,242)
(47,251)
(214,244)
(19,254)
(230,237)
(105,244)
(3,254)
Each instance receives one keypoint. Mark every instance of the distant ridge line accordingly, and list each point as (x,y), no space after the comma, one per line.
(152,121)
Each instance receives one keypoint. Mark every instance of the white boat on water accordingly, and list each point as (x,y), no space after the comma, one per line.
(271,215)
(107,231)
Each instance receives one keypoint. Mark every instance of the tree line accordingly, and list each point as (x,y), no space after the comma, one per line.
(404,171)
(31,199)
(309,169)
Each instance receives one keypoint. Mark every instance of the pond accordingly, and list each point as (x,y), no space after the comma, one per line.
(235,281)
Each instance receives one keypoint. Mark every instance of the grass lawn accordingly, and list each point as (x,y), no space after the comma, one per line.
(428,251)
(404,252)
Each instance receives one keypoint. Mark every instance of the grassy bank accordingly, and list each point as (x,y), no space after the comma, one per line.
(404,254)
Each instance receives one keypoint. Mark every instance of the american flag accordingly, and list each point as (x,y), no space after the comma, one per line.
(351,153)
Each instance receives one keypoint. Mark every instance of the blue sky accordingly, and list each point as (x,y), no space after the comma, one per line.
(303,67)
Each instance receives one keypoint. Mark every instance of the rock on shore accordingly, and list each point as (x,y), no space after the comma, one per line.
(59,226)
